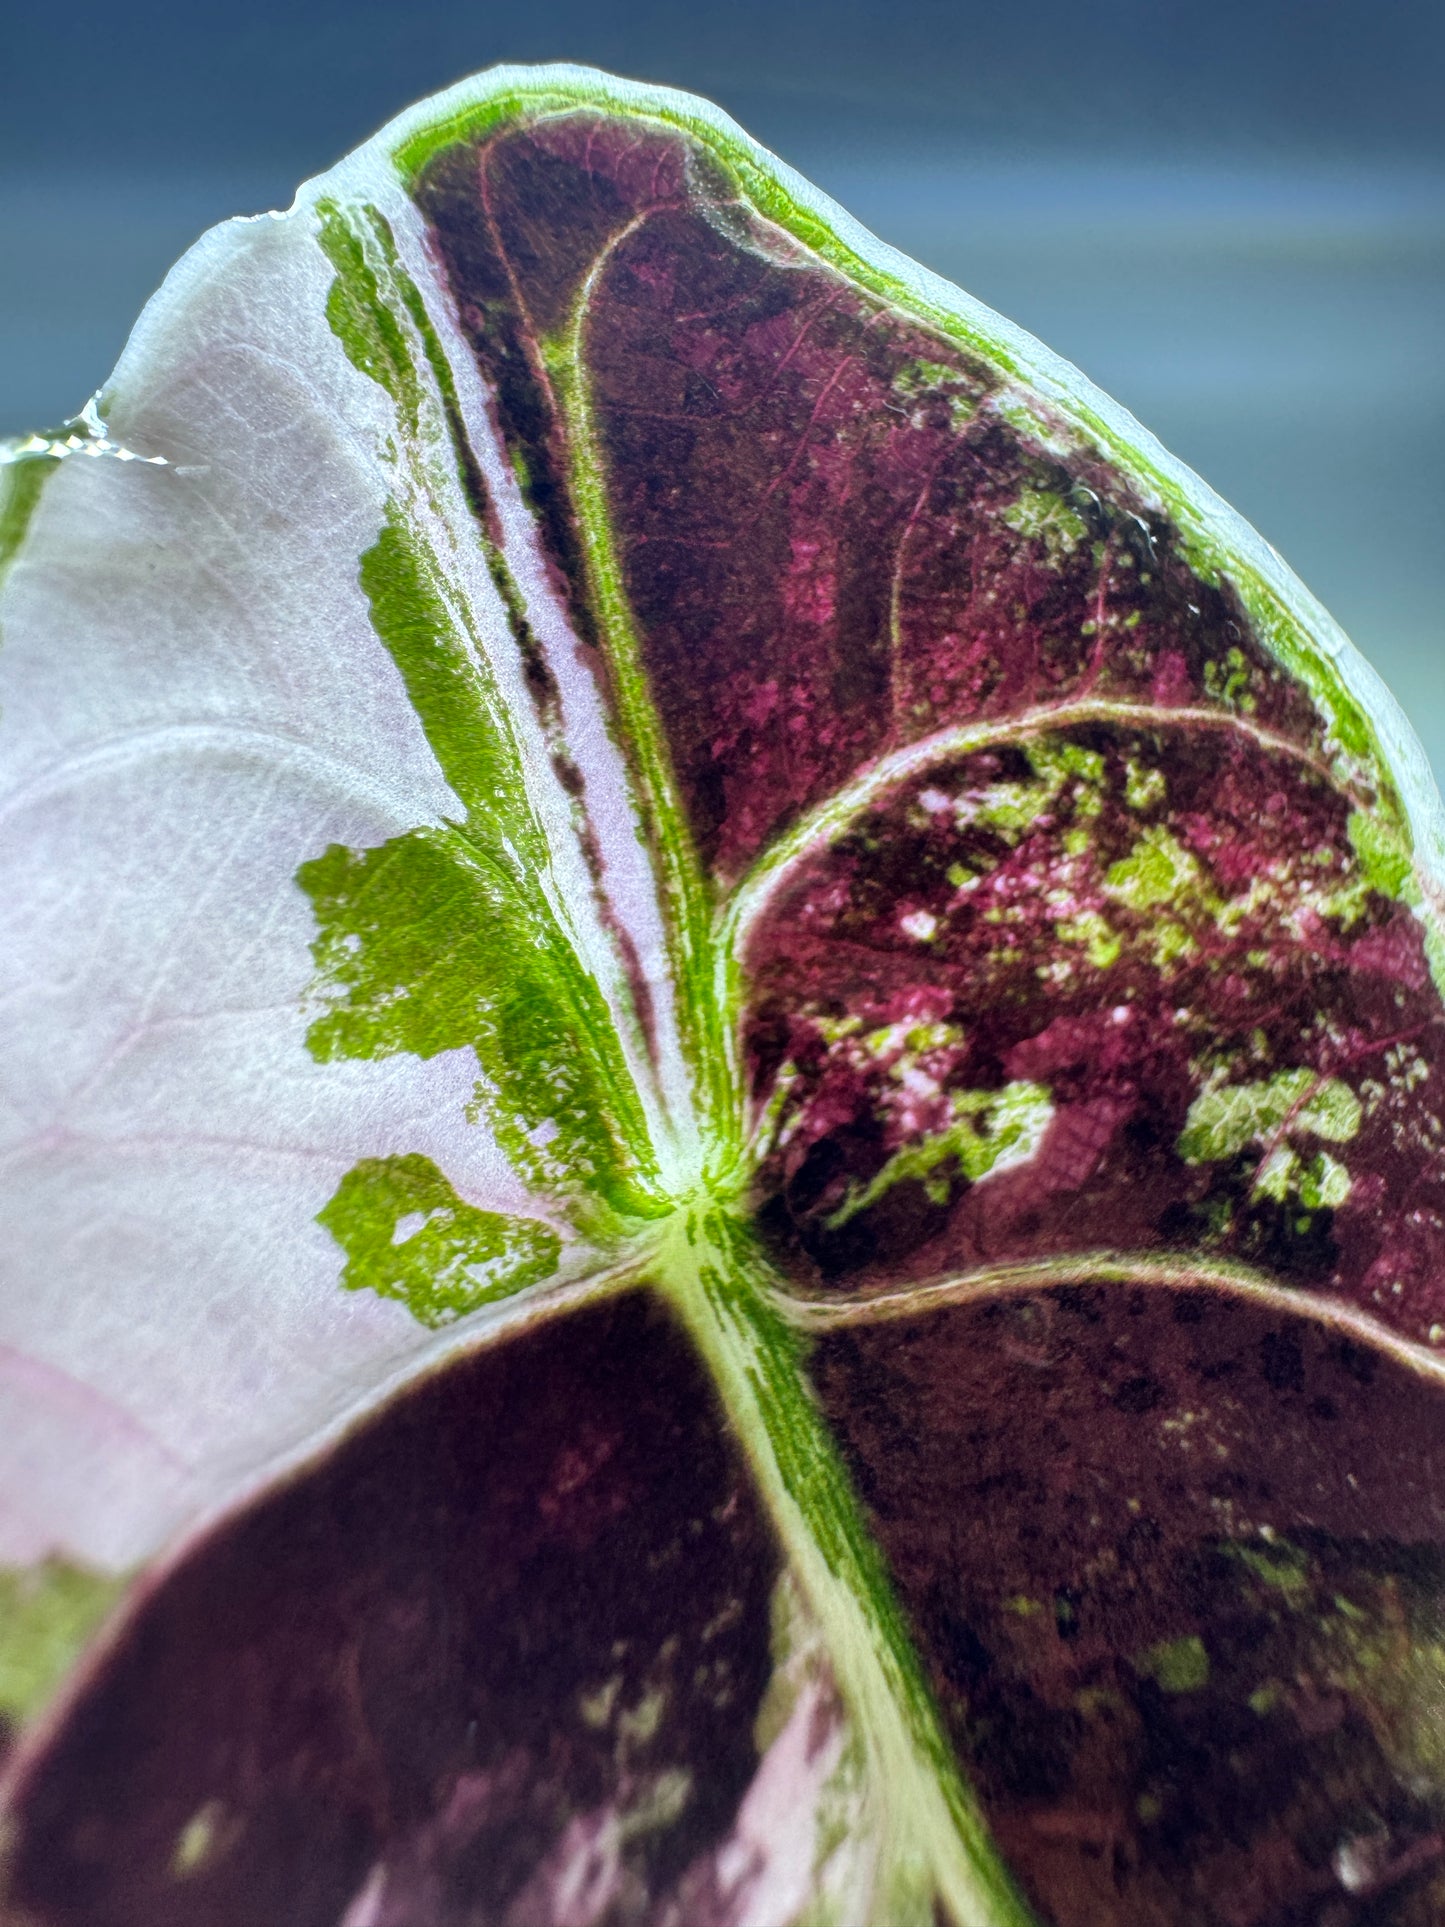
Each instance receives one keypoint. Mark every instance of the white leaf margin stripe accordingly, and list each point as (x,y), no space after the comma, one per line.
(587,737)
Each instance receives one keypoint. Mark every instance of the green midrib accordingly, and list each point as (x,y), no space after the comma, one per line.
(685,893)
(723,1291)
(701,1255)
(936,1842)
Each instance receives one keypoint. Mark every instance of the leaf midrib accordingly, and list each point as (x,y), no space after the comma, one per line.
(941,1843)
(737,1307)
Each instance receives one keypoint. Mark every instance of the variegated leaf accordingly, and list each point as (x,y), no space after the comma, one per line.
(723,1175)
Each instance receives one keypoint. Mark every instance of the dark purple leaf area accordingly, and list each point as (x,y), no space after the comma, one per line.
(1263,951)
(1177,1566)
(835,543)
(811,494)
(520,1619)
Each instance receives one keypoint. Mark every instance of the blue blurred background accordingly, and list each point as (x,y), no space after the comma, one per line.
(1231,214)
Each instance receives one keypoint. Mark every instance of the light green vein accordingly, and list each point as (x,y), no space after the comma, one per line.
(1173,1272)
(684,890)
(839,812)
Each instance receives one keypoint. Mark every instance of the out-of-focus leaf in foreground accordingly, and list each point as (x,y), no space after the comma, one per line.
(724,1180)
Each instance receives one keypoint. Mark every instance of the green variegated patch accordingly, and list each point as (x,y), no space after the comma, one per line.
(990,1131)
(1224,1119)
(407,1235)
(48,1614)
(425,946)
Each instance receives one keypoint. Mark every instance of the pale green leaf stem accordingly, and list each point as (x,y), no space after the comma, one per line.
(936,1840)
(404,991)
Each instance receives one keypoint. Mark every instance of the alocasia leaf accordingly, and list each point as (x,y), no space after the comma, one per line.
(724,1182)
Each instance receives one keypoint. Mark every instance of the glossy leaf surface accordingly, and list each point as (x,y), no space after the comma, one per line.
(721,1101)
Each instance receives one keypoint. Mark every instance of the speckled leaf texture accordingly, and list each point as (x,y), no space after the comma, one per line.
(723,1178)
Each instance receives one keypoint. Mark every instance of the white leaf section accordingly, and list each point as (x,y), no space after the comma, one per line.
(194,704)
(767,1872)
(441,521)
(627,877)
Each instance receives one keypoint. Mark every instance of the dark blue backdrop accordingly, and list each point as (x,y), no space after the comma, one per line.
(1231,213)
